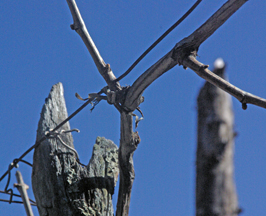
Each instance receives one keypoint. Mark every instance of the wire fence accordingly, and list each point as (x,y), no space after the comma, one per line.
(49,134)
(55,134)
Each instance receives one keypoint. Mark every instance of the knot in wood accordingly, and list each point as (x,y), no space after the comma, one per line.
(182,50)
(135,139)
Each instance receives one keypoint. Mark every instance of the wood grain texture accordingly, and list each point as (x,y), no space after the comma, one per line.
(61,185)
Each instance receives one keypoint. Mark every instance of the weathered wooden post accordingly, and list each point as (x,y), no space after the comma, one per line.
(61,185)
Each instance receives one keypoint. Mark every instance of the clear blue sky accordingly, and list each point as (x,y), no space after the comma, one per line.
(38,49)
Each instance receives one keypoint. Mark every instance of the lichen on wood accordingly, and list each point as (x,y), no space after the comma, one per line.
(61,185)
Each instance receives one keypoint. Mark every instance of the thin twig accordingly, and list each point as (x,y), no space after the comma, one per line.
(80,27)
(159,40)
(180,51)
(203,71)
(22,188)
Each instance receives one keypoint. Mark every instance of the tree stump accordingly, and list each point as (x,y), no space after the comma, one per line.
(61,185)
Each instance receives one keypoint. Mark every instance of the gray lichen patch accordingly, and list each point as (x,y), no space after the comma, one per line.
(61,185)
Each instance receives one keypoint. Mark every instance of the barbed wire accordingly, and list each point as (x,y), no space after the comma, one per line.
(56,134)
(37,143)
(14,201)
(53,133)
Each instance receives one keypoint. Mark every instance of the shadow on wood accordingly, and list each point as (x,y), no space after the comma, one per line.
(61,185)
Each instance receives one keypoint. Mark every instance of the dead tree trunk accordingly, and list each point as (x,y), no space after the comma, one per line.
(61,185)
(215,187)
(66,188)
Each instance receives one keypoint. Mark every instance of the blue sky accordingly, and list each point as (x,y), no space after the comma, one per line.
(38,49)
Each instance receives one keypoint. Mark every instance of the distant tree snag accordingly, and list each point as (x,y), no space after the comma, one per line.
(215,187)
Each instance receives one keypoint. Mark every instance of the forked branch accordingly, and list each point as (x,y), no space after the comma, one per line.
(129,139)
(181,51)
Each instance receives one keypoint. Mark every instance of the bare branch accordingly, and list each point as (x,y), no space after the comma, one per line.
(80,27)
(159,40)
(160,67)
(22,188)
(213,23)
(129,141)
(205,73)
(181,50)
